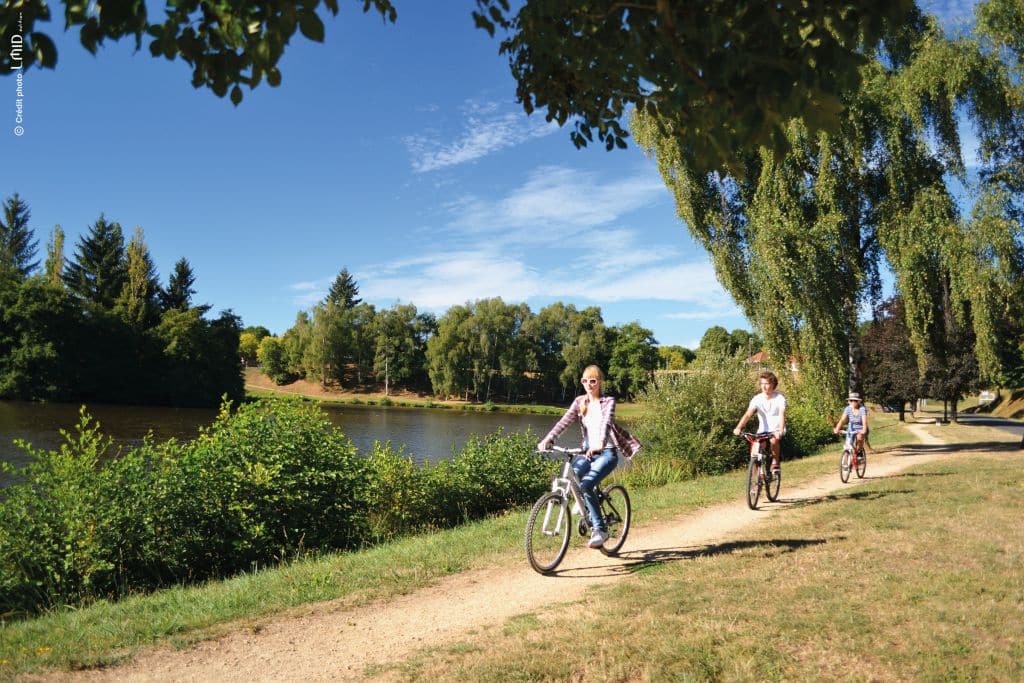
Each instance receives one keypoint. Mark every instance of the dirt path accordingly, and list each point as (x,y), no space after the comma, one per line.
(331,644)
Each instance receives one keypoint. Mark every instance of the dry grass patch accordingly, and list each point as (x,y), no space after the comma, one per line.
(912,577)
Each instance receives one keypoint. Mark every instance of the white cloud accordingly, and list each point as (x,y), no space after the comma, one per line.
(486,129)
(438,281)
(558,202)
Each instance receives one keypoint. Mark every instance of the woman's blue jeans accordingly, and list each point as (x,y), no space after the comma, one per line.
(590,473)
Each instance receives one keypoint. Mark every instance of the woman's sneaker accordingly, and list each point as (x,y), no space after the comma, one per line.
(598,538)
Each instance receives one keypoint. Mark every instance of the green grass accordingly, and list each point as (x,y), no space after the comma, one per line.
(106,632)
(912,577)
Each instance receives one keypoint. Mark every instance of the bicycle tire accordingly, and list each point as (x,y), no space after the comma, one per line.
(845,465)
(773,486)
(618,513)
(753,483)
(547,532)
(862,463)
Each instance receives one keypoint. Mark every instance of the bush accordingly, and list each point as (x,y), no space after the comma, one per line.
(687,420)
(270,482)
(267,483)
(488,475)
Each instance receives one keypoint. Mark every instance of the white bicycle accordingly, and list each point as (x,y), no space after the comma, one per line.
(550,523)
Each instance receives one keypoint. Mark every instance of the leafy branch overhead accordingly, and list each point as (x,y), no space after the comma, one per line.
(228,43)
(725,76)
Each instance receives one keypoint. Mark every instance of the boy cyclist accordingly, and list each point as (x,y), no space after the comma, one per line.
(770,407)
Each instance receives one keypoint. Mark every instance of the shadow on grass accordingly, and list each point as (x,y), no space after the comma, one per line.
(912,450)
(841,495)
(640,560)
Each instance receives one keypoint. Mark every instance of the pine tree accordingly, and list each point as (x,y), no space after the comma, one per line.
(344,292)
(178,294)
(99,270)
(17,246)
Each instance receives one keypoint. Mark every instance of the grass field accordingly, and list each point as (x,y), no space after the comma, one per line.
(912,577)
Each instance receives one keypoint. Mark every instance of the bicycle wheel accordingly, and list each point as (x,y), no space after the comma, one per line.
(771,489)
(844,465)
(862,463)
(547,532)
(753,483)
(617,514)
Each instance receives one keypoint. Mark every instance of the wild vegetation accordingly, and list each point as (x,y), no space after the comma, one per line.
(269,482)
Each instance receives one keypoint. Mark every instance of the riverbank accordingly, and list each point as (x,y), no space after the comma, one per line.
(258,385)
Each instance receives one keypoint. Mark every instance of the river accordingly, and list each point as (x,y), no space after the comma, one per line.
(428,434)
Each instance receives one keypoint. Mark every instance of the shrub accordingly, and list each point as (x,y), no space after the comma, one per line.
(686,423)
(267,483)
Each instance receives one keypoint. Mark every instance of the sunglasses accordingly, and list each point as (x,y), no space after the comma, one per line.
(590,380)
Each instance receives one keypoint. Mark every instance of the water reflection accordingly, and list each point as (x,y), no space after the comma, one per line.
(428,435)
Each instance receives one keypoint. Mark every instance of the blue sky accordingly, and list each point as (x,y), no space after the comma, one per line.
(395,150)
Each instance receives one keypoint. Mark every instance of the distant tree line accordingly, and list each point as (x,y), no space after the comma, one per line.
(485,350)
(98,326)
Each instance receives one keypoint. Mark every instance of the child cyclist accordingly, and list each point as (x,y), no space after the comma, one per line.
(770,407)
(596,415)
(857,414)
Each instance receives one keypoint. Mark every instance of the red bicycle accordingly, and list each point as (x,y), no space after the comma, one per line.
(852,459)
(759,473)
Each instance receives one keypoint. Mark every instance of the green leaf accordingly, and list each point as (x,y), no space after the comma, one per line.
(311,26)
(236,95)
(45,51)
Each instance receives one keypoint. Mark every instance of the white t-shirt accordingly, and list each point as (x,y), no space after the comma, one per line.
(592,423)
(769,410)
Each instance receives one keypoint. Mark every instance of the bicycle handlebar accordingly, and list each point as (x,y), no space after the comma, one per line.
(565,451)
(760,436)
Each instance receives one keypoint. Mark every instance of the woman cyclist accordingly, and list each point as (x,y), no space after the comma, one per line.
(596,415)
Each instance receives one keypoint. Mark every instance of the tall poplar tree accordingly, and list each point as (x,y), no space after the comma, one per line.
(54,268)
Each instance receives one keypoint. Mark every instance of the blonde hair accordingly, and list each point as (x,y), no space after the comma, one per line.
(592,371)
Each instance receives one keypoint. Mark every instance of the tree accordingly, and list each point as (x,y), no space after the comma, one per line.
(249,343)
(890,372)
(138,301)
(180,287)
(715,343)
(17,245)
(633,358)
(588,344)
(399,347)
(273,360)
(723,77)
(99,271)
(799,241)
(227,44)
(545,334)
(344,292)
(674,357)
(54,268)
(449,359)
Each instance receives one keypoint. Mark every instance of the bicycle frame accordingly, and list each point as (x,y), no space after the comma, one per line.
(758,475)
(550,524)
